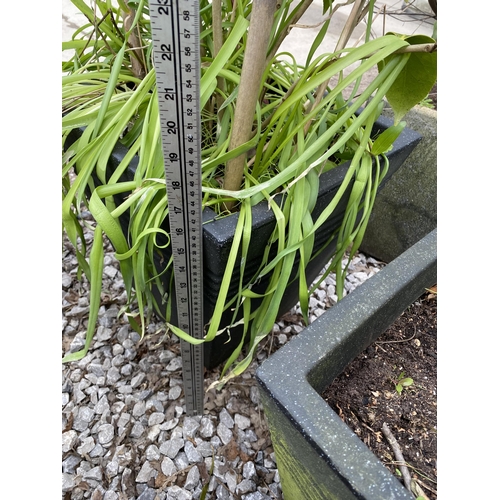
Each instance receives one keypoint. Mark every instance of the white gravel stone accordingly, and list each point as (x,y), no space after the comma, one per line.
(106,433)
(172,447)
(192,453)
(174,365)
(137,430)
(68,482)
(87,446)
(207,427)
(231,480)
(246,486)
(242,422)
(146,473)
(181,461)
(168,467)
(128,410)
(226,419)
(152,452)
(69,440)
(93,474)
(224,433)
(178,493)
(192,479)
(190,426)
(249,471)
(156,418)
(175,392)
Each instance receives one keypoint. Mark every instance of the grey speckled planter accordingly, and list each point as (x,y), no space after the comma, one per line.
(318,455)
(406,210)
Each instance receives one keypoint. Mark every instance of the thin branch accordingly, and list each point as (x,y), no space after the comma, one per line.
(419,47)
(398,454)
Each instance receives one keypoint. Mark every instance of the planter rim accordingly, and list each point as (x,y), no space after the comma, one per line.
(312,359)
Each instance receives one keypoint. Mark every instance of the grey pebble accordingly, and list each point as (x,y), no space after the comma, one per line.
(139,409)
(174,365)
(246,486)
(249,471)
(146,473)
(257,495)
(128,411)
(226,418)
(156,418)
(94,473)
(181,461)
(113,375)
(177,493)
(70,463)
(190,426)
(69,440)
(168,467)
(224,433)
(172,447)
(137,430)
(192,453)
(192,479)
(106,433)
(148,494)
(175,392)
(83,419)
(137,380)
(87,446)
(242,422)
(68,482)
(207,427)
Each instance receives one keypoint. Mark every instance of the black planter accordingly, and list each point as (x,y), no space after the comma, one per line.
(318,455)
(218,236)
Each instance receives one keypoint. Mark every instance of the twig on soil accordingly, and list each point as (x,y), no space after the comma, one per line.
(398,454)
(397,341)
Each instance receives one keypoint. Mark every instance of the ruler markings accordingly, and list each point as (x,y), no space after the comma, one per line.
(175,29)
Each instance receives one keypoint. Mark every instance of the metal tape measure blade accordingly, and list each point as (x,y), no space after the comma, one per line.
(175,29)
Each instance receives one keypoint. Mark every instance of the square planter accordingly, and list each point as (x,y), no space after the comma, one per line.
(318,455)
(218,234)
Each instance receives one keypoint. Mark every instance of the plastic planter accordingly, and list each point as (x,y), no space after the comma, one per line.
(218,236)
(318,455)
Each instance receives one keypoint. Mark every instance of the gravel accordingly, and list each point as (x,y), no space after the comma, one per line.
(125,432)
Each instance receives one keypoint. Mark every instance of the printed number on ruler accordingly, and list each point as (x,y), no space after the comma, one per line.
(175,28)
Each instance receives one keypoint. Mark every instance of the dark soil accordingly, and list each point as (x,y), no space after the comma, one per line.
(365,395)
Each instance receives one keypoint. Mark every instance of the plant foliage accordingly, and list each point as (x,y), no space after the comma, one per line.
(305,120)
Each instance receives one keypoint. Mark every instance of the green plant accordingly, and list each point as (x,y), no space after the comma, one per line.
(401,382)
(269,125)
(427,103)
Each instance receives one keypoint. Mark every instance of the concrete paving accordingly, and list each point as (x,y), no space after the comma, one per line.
(395,16)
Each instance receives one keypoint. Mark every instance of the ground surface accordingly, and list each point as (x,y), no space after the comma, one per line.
(365,395)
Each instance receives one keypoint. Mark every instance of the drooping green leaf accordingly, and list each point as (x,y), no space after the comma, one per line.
(415,81)
(386,139)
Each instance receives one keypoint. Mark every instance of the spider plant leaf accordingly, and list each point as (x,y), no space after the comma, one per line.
(96,262)
(317,41)
(209,77)
(110,90)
